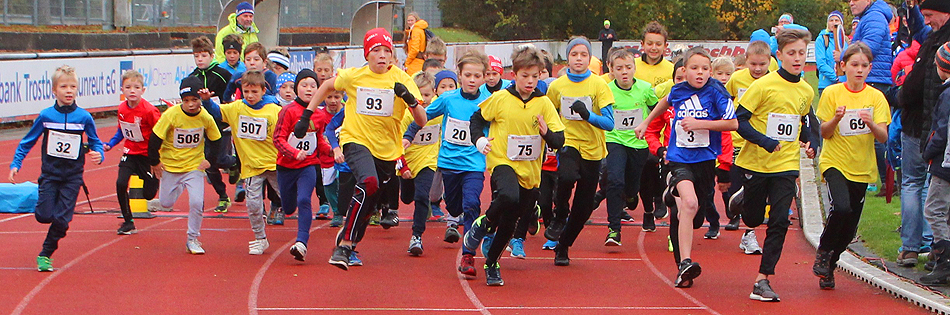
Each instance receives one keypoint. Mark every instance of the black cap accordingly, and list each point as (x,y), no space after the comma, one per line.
(936,5)
(230,44)
(303,74)
(190,86)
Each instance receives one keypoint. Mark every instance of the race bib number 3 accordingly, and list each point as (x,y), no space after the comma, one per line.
(307,144)
(692,138)
(456,132)
(63,145)
(851,123)
(253,128)
(131,131)
(783,127)
(374,102)
(427,135)
(524,148)
(187,138)
(628,119)
(569,113)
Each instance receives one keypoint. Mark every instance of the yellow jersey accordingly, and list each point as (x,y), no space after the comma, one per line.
(663,89)
(653,74)
(373,112)
(777,107)
(737,85)
(253,134)
(590,141)
(183,146)
(424,150)
(852,146)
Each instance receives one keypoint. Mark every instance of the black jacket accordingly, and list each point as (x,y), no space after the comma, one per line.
(215,78)
(922,87)
(937,141)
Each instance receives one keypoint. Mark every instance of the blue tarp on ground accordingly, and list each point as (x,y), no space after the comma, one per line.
(18,198)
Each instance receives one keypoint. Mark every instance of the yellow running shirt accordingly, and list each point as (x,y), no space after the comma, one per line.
(852,146)
(183,146)
(663,89)
(253,134)
(737,85)
(424,150)
(779,105)
(373,112)
(590,141)
(654,74)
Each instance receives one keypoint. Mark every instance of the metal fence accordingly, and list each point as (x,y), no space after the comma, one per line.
(167,13)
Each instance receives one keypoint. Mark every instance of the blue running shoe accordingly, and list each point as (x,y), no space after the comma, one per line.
(473,237)
(517,248)
(355,259)
(486,244)
(549,245)
(324,212)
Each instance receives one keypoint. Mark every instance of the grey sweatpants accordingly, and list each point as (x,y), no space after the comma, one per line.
(170,188)
(255,200)
(936,208)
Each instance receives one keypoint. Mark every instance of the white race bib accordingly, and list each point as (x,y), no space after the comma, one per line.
(374,102)
(524,148)
(253,128)
(427,135)
(63,145)
(188,138)
(783,127)
(851,123)
(740,92)
(628,119)
(307,144)
(132,131)
(691,139)
(569,113)
(456,132)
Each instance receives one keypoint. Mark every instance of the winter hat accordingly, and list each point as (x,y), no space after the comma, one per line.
(446,74)
(577,41)
(277,58)
(943,57)
(787,18)
(190,86)
(495,64)
(244,7)
(303,74)
(606,22)
(836,13)
(232,45)
(855,20)
(936,5)
(376,37)
(759,35)
(284,78)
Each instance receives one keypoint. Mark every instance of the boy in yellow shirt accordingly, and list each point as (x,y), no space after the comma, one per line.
(177,155)
(422,151)
(652,67)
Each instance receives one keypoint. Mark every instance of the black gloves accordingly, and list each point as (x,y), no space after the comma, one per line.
(403,93)
(300,129)
(579,108)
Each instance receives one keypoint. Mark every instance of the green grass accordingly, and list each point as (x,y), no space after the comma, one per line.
(878,227)
(455,35)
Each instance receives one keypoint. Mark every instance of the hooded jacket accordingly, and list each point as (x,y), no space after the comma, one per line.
(874,31)
(215,78)
(825,59)
(61,122)
(247,36)
(416,46)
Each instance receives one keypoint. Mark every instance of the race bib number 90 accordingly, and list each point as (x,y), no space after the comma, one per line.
(427,135)
(187,138)
(783,127)
(253,128)
(456,132)
(692,138)
(374,102)
(851,123)
(307,144)
(524,148)
(569,113)
(63,145)
(628,119)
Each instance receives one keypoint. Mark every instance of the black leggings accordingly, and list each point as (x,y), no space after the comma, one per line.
(509,203)
(545,201)
(847,202)
(779,191)
(134,165)
(369,173)
(585,173)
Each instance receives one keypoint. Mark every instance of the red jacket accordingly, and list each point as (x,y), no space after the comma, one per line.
(326,152)
(662,123)
(286,153)
(904,61)
(146,116)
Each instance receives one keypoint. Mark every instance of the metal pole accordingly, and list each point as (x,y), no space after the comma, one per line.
(6,11)
(36,12)
(87,10)
(62,12)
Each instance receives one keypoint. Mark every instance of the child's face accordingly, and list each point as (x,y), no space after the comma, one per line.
(254,61)
(132,89)
(437,57)
(758,65)
(334,101)
(324,70)
(232,56)
(578,59)
(697,70)
(191,104)
(680,75)
(833,23)
(202,59)
(427,94)
(723,74)
(793,56)
(379,59)
(252,93)
(305,90)
(492,77)
(471,77)
(623,69)
(545,74)
(446,85)
(526,79)
(857,67)
(286,91)
(65,90)
(654,45)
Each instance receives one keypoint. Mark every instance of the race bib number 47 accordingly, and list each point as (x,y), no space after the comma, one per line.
(374,102)
(524,148)
(63,145)
(628,119)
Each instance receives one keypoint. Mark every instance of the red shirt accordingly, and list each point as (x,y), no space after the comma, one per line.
(286,153)
(145,115)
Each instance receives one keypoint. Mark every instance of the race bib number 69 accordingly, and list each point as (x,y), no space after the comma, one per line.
(851,123)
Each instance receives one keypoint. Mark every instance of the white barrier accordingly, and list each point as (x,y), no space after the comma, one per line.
(25,84)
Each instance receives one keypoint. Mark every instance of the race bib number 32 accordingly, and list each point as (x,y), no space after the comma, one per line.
(63,145)
(851,123)
(524,148)
(374,102)
(783,127)
(569,113)
(187,138)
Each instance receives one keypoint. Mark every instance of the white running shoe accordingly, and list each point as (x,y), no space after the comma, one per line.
(154,205)
(299,250)
(194,247)
(749,244)
(257,247)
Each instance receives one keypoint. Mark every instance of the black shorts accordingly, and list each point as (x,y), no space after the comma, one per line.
(137,165)
(702,174)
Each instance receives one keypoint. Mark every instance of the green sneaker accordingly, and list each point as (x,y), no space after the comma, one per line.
(670,242)
(374,220)
(223,205)
(44,264)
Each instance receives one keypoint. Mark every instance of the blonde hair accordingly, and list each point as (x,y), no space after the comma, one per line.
(473,57)
(723,63)
(322,58)
(424,79)
(758,48)
(739,60)
(413,14)
(436,46)
(526,56)
(64,71)
(131,74)
(788,36)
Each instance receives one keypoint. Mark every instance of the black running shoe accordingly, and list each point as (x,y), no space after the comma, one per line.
(561,256)
(127,228)
(554,230)
(733,223)
(735,203)
(648,224)
(390,219)
(827,283)
(688,270)
(341,257)
(625,217)
(822,267)
(493,275)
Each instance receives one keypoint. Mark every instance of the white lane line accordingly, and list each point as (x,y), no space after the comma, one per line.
(253,293)
(468,289)
(658,274)
(17,217)
(572,258)
(417,309)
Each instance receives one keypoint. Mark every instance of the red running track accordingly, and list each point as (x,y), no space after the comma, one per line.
(150,272)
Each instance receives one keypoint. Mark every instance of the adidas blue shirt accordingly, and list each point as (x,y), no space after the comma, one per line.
(711,102)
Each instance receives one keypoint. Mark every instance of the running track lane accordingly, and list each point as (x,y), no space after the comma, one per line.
(151,273)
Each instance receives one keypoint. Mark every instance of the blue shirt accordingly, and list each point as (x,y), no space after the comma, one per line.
(333,138)
(484,88)
(71,120)
(452,104)
(240,68)
(711,102)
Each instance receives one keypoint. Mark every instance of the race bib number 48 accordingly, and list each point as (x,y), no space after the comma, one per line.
(456,132)
(692,138)
(374,102)
(628,119)
(187,138)
(307,144)
(524,148)
(253,128)
(63,145)
(131,131)
(851,123)
(569,113)
(783,127)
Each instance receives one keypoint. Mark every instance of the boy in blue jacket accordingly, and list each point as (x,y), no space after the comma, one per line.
(937,206)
